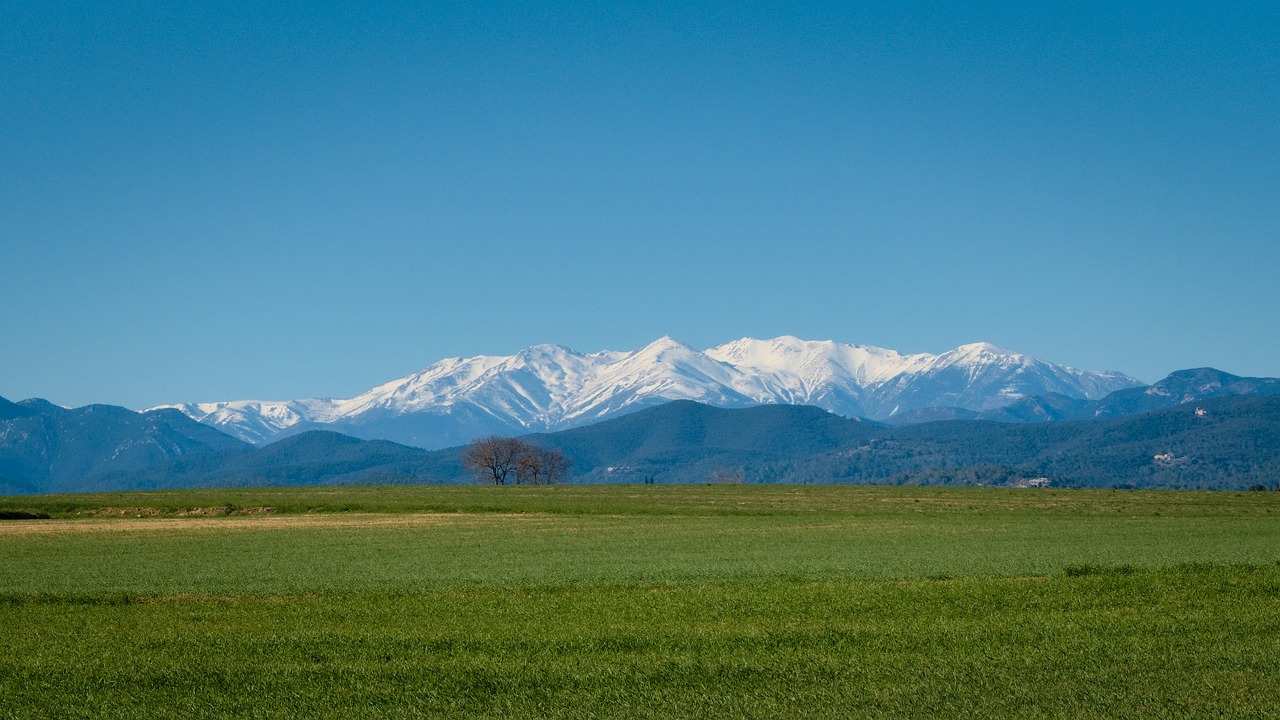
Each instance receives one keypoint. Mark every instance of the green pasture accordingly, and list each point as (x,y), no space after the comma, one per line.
(702,500)
(641,601)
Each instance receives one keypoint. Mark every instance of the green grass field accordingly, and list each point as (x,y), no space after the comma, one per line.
(641,601)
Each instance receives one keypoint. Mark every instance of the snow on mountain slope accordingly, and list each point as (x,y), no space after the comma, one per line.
(831,375)
(666,369)
(550,387)
(982,376)
(256,421)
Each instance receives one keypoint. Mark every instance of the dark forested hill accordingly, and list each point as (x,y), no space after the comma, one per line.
(1227,443)
(316,457)
(1230,442)
(1184,386)
(682,441)
(1179,388)
(685,441)
(46,448)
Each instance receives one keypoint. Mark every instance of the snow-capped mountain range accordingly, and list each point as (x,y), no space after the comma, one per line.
(550,387)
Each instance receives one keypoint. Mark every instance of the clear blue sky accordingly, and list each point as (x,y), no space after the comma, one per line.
(214,201)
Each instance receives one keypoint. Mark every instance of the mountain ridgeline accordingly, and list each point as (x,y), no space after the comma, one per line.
(1195,429)
(548,387)
(47,448)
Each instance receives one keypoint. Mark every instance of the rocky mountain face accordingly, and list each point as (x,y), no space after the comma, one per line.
(549,387)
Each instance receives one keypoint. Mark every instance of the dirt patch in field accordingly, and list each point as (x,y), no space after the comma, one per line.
(137,512)
(122,512)
(264,521)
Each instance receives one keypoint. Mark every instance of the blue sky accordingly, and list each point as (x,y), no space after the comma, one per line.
(227,201)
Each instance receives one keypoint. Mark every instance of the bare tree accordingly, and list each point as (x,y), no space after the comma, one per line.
(529,463)
(541,466)
(492,459)
(496,459)
(555,467)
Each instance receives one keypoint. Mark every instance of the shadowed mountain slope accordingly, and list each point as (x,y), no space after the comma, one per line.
(47,448)
(315,457)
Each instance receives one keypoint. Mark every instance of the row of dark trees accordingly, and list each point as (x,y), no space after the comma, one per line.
(498,460)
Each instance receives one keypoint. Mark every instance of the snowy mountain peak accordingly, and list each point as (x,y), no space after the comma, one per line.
(550,387)
(665,345)
(983,348)
(763,353)
(547,351)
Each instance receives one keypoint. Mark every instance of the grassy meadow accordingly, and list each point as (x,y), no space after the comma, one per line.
(641,601)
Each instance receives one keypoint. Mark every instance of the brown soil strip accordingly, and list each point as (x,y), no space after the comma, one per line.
(254,522)
(136,512)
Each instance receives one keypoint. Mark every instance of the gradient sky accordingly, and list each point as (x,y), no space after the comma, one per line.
(215,201)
